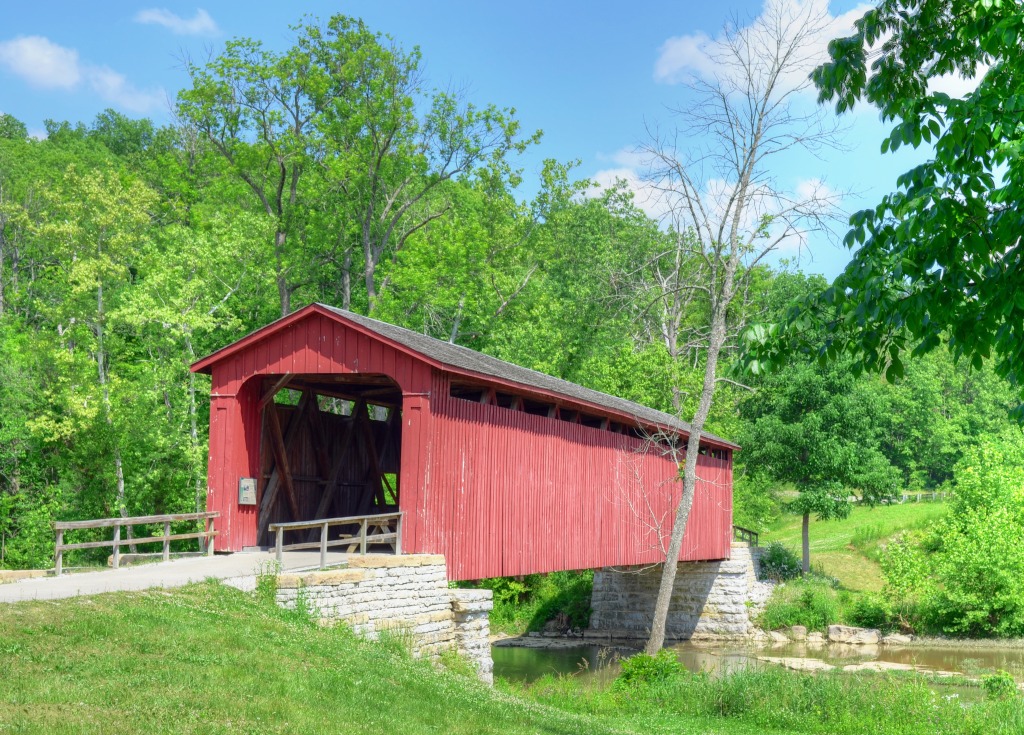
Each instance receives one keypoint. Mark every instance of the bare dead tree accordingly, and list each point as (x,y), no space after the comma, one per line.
(727,213)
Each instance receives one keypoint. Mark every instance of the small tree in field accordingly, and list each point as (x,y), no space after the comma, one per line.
(712,175)
(819,429)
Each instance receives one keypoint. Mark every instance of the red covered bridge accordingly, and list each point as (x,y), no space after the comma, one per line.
(502,469)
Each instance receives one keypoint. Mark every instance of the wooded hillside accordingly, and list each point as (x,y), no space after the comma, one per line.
(331,172)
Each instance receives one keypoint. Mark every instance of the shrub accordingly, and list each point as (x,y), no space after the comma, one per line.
(510,590)
(808,602)
(530,602)
(965,574)
(643,670)
(779,562)
(870,611)
(999,685)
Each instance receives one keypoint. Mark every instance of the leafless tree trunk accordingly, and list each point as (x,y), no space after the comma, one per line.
(101,359)
(726,211)
(193,432)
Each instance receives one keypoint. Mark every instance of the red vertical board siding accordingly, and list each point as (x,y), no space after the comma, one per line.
(499,492)
(511,493)
(316,344)
(214,472)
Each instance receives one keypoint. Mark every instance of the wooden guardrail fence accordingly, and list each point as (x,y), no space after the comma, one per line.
(745,534)
(373,529)
(924,496)
(206,535)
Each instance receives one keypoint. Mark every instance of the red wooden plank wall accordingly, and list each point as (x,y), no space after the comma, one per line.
(499,492)
(511,493)
(315,344)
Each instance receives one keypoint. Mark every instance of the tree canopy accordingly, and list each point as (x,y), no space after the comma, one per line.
(128,249)
(939,260)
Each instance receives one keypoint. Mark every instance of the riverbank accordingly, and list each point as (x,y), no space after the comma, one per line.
(940,658)
(210,659)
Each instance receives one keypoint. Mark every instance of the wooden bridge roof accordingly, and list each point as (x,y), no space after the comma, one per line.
(470,363)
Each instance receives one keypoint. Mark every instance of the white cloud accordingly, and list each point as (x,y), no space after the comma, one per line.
(45,64)
(201,24)
(624,158)
(693,56)
(644,195)
(957,86)
(662,204)
(682,57)
(40,62)
(114,87)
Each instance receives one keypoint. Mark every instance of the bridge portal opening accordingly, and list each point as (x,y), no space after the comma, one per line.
(330,448)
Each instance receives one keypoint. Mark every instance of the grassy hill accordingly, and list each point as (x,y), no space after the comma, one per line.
(210,659)
(847,549)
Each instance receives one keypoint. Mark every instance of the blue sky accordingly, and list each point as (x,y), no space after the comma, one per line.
(589,74)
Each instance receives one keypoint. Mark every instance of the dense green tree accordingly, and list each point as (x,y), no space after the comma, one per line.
(966,572)
(337,131)
(938,261)
(12,128)
(256,108)
(819,429)
(937,414)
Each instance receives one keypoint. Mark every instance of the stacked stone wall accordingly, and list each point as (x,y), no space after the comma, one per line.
(403,595)
(710,600)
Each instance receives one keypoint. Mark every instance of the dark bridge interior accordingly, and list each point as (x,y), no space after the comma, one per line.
(330,447)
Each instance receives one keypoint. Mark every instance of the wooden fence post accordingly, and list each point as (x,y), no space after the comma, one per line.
(323,546)
(211,526)
(398,536)
(167,540)
(117,545)
(58,564)
(362,537)
(280,543)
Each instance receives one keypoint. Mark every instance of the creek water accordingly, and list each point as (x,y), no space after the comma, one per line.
(598,663)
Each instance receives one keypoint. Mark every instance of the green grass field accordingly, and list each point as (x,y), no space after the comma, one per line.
(833,550)
(211,659)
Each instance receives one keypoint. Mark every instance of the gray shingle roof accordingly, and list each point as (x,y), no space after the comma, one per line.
(463,358)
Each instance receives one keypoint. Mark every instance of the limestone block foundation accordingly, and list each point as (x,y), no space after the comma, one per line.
(407,595)
(713,600)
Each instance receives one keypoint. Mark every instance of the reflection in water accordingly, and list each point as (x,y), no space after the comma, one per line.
(529,664)
(599,663)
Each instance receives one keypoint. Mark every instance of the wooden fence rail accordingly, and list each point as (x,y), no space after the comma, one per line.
(922,497)
(206,536)
(745,534)
(373,529)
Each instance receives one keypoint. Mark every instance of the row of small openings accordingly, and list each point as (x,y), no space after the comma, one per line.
(491,397)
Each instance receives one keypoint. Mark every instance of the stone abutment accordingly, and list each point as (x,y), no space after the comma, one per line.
(712,600)
(404,595)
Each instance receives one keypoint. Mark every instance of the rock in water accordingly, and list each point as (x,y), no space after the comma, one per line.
(853,636)
(897,639)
